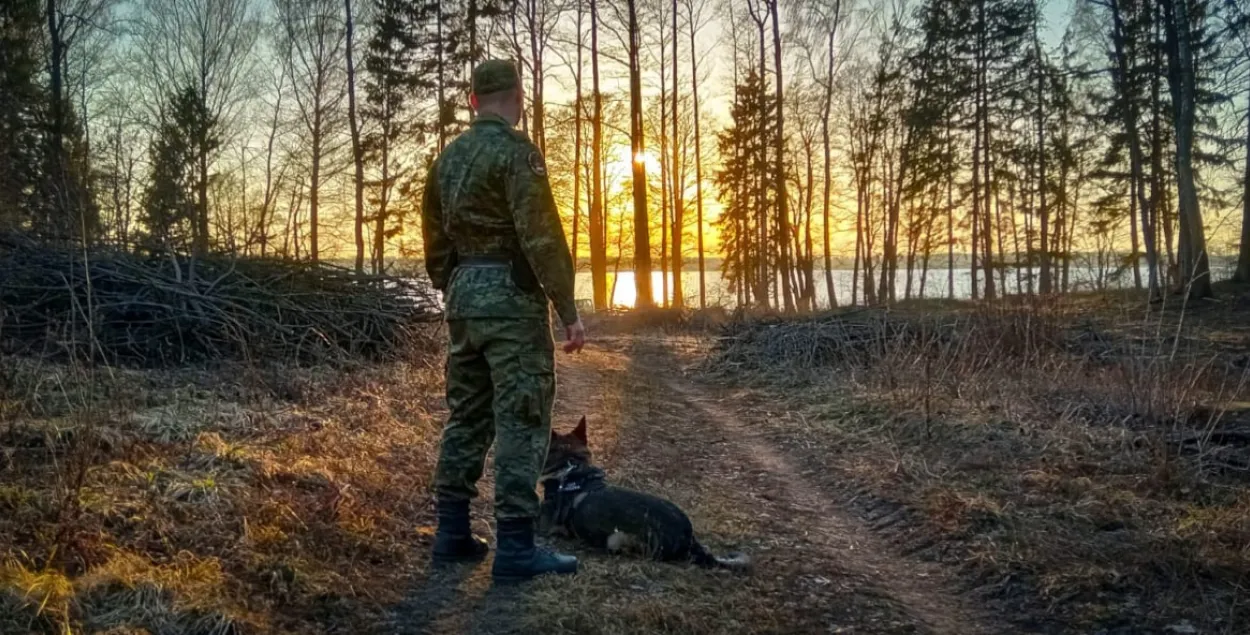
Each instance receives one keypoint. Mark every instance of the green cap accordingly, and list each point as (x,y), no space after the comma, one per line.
(493,76)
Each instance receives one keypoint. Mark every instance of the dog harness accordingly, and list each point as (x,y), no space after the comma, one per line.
(574,479)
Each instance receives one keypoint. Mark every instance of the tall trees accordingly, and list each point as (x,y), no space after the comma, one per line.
(358,157)
(779,168)
(598,228)
(964,129)
(638,147)
(389,85)
(679,181)
(827,17)
(693,15)
(315,36)
(1184,25)
(538,18)
(1130,69)
(745,194)
(71,210)
(22,100)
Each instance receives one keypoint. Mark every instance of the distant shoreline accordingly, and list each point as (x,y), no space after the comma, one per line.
(691,265)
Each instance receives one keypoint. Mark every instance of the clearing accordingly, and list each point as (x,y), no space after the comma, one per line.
(877,489)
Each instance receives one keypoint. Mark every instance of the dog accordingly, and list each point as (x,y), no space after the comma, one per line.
(578,503)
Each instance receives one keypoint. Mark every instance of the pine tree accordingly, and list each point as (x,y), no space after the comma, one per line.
(170,206)
(22,104)
(745,194)
(390,84)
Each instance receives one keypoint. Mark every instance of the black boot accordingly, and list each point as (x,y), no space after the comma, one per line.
(516,557)
(454,541)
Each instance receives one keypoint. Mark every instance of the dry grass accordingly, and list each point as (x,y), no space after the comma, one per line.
(224,500)
(649,439)
(1083,458)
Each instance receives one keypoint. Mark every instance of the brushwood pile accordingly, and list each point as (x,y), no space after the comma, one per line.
(160,309)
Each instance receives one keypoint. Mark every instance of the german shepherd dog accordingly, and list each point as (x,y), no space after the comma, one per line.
(577,502)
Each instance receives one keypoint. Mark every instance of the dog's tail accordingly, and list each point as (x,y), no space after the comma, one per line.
(734,561)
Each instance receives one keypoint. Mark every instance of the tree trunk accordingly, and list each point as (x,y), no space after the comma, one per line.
(950,217)
(698,164)
(977,159)
(1122,74)
(679,299)
(384,196)
(61,226)
(314,198)
(783,212)
(859,243)
(578,104)
(439,47)
(1195,267)
(598,228)
(826,140)
(1243,254)
(642,237)
(1043,210)
(536,54)
(665,170)
(1158,202)
(808,261)
(358,156)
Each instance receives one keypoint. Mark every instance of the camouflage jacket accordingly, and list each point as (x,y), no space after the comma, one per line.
(487,194)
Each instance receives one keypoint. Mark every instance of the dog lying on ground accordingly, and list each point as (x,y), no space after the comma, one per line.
(577,502)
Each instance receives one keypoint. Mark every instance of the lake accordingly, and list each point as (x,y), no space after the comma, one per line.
(1082,278)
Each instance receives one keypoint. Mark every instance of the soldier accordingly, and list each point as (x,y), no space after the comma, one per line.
(495,247)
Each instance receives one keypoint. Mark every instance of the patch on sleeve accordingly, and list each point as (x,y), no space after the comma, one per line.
(536,163)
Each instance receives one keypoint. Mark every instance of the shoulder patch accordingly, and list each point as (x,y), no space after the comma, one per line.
(537,164)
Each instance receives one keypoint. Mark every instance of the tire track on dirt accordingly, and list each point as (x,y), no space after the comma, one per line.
(817,569)
(924,591)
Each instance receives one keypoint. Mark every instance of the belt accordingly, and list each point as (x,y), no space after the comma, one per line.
(484,260)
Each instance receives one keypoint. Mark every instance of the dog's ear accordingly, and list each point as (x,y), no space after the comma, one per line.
(579,432)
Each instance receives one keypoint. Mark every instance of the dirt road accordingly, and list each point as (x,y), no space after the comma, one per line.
(818,565)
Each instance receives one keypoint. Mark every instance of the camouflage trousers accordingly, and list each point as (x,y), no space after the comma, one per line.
(500,388)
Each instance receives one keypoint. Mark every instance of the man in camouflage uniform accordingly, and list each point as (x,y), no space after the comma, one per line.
(495,247)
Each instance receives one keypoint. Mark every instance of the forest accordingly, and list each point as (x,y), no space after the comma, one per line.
(1023,138)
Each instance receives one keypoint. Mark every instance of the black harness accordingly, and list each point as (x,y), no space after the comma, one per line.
(562,491)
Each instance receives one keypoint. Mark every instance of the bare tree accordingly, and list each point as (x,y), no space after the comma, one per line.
(828,16)
(273,182)
(598,226)
(314,37)
(783,212)
(695,21)
(642,237)
(358,156)
(207,43)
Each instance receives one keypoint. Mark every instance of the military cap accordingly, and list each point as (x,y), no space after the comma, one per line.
(492,76)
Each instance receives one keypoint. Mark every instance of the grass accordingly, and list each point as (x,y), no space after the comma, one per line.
(1078,459)
(241,498)
(1081,458)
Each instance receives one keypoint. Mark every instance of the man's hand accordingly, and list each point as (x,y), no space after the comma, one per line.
(575,337)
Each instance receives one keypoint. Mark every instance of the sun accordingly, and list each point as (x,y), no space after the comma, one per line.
(625,159)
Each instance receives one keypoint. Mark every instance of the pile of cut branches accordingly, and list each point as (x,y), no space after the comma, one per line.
(149,309)
(810,342)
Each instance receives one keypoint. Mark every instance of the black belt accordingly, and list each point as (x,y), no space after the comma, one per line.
(484,260)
